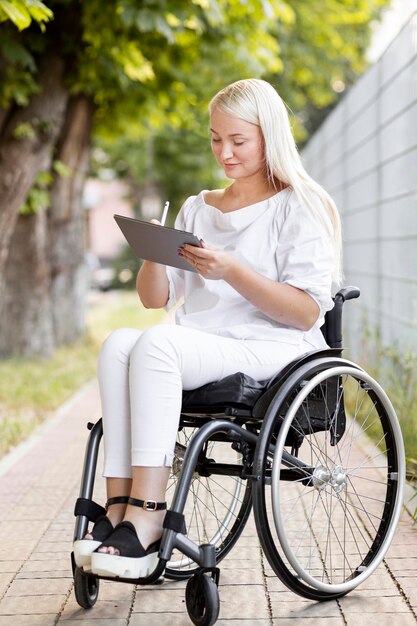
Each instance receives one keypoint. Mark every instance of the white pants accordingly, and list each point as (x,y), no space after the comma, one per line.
(141,378)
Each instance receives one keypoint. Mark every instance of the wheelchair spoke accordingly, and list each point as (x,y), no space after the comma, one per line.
(217,505)
(331,523)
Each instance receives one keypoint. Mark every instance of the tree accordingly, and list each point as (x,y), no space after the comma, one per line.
(322,46)
(145,71)
(91,66)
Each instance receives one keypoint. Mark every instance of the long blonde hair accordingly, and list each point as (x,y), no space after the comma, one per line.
(257,102)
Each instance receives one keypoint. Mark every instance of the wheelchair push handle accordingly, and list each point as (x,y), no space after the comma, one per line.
(347,293)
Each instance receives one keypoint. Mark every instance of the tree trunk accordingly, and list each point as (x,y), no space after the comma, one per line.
(25,320)
(21,159)
(66,224)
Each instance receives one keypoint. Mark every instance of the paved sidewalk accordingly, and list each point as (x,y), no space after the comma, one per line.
(39,483)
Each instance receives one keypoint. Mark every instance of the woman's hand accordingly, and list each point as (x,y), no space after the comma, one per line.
(211,263)
(281,302)
(152,283)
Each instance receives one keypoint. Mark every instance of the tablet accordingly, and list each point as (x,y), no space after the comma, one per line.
(156,243)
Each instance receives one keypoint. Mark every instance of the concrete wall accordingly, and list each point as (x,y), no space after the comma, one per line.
(365,155)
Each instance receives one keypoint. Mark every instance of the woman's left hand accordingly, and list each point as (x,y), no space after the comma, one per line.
(208,261)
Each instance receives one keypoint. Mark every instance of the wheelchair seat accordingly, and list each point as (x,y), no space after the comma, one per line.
(241,395)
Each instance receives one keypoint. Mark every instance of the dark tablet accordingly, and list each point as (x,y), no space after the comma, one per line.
(156,243)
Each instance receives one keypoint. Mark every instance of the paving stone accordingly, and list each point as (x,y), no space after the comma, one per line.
(159,600)
(381,619)
(297,609)
(241,576)
(308,621)
(51,565)
(39,587)
(363,603)
(102,610)
(161,619)
(242,621)
(252,603)
(114,602)
(10,566)
(31,605)
(87,621)
(28,620)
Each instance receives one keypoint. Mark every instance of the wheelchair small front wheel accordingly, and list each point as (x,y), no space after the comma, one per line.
(86,588)
(202,600)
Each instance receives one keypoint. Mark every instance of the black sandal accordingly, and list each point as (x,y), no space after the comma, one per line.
(133,561)
(103,528)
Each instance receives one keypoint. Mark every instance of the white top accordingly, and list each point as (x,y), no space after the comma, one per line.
(277,237)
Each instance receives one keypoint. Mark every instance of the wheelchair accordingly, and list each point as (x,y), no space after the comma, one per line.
(316,452)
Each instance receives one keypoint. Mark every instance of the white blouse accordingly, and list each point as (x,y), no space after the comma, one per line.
(277,237)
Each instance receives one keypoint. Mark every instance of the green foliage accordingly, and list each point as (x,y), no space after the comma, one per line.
(125,267)
(30,389)
(22,12)
(61,169)
(322,46)
(396,371)
(38,197)
(24,130)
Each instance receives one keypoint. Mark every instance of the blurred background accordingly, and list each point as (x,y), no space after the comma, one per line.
(103,110)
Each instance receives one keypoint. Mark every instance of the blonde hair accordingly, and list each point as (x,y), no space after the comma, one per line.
(257,102)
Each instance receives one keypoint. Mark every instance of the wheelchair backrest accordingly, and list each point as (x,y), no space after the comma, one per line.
(332,327)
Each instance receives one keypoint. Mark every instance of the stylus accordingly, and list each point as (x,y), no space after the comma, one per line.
(165,213)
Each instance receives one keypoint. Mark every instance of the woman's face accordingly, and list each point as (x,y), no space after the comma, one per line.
(237,145)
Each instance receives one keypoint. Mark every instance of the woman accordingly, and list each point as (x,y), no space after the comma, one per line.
(256,300)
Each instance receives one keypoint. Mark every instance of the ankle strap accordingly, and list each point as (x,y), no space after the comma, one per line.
(148,505)
(117,500)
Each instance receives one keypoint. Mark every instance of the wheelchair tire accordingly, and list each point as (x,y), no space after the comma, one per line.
(217,507)
(86,588)
(331,504)
(202,600)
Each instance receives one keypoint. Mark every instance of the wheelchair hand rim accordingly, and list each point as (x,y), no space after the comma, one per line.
(348,585)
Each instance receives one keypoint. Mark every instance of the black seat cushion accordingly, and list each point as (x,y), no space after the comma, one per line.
(237,390)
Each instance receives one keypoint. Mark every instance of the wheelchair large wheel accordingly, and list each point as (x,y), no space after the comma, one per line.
(333,470)
(218,504)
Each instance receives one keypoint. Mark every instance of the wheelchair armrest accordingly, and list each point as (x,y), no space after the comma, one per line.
(347,293)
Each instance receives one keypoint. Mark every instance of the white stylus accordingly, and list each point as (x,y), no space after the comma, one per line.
(165,213)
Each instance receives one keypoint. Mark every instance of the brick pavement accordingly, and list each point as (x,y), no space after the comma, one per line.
(39,482)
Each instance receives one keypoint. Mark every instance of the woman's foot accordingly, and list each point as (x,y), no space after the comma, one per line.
(102,529)
(131,551)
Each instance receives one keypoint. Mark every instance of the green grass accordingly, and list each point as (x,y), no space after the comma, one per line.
(395,369)
(32,389)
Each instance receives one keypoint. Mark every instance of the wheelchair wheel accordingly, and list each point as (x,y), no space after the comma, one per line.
(202,600)
(333,473)
(86,588)
(218,504)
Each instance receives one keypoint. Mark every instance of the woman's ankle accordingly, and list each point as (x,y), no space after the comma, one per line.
(148,524)
(116,513)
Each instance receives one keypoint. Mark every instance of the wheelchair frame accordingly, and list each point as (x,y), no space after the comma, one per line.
(261,434)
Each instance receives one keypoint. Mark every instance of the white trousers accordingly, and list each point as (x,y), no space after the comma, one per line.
(141,378)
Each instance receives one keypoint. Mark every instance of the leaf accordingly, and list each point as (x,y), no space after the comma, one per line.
(16,12)
(24,130)
(61,169)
